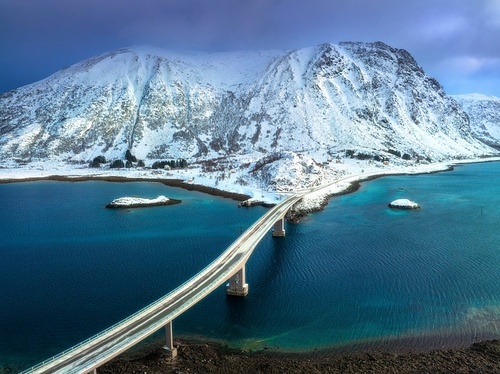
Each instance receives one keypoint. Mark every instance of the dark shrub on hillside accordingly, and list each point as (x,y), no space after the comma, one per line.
(180,163)
(380,158)
(129,156)
(363,156)
(394,152)
(159,164)
(97,161)
(117,164)
(349,153)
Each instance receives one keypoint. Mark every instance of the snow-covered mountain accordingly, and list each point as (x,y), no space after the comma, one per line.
(484,114)
(274,109)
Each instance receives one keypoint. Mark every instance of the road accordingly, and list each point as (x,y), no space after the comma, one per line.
(95,351)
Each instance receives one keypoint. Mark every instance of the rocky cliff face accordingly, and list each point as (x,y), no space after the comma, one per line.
(484,114)
(364,97)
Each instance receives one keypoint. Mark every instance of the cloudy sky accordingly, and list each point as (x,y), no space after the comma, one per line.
(455,41)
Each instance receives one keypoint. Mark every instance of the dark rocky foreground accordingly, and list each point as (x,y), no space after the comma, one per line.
(480,357)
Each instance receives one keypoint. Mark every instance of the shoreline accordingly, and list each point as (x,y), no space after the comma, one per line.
(356,179)
(214,349)
(180,183)
(196,357)
(168,182)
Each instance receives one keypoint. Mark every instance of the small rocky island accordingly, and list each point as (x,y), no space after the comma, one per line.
(138,202)
(403,204)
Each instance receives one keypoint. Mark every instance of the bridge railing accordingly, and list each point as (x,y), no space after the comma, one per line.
(147,307)
(122,322)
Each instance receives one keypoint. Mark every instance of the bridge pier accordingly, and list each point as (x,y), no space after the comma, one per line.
(237,285)
(279,227)
(169,346)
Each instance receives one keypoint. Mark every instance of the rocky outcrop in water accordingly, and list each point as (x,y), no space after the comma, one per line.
(138,202)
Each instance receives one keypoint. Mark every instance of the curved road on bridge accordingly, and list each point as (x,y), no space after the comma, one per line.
(99,349)
(92,353)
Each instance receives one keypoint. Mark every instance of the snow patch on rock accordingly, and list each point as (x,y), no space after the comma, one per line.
(134,202)
(403,204)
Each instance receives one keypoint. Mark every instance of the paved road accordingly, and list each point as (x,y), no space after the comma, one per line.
(92,353)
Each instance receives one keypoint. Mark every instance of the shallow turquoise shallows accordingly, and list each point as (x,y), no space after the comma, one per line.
(355,273)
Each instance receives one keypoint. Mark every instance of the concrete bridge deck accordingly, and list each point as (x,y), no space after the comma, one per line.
(87,356)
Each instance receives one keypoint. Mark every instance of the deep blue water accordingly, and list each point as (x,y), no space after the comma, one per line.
(355,273)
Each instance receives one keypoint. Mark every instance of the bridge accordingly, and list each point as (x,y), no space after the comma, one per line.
(87,356)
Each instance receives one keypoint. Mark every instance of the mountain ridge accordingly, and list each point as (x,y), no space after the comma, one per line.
(316,103)
(484,115)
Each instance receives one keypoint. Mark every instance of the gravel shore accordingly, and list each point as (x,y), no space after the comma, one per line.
(480,357)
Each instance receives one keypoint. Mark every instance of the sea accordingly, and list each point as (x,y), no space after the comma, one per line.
(356,274)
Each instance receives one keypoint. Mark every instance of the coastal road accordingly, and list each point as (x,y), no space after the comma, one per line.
(95,351)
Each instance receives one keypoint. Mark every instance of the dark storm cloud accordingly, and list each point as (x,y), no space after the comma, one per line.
(454,40)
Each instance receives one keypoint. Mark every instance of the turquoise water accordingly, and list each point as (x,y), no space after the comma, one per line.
(355,273)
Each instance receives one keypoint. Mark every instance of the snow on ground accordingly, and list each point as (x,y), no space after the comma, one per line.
(299,176)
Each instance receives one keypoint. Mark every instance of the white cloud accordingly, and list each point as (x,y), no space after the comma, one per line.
(443,27)
(471,64)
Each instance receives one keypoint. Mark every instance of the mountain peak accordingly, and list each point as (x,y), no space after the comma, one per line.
(367,97)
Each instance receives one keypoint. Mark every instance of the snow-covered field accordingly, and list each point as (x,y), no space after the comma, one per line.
(335,179)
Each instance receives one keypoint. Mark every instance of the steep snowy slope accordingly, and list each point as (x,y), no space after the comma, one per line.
(484,114)
(111,103)
(352,97)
